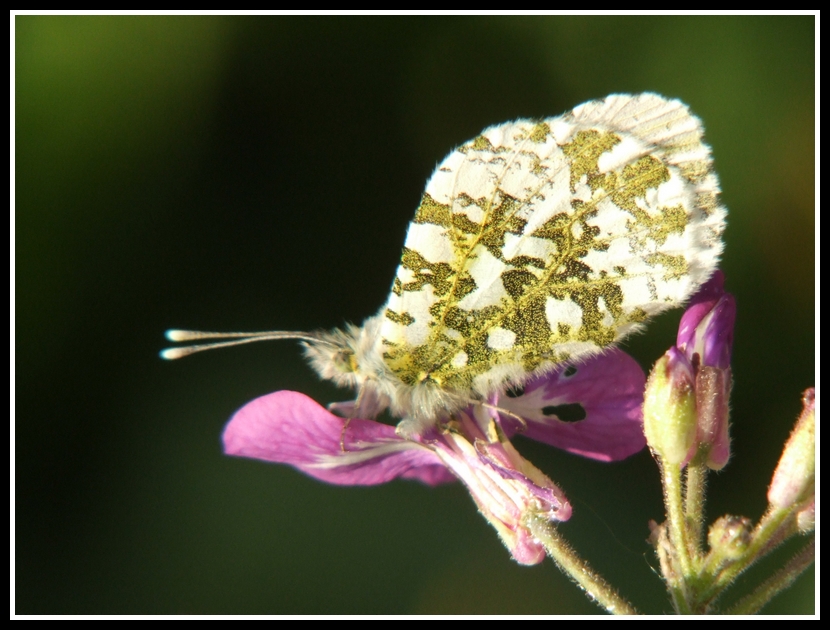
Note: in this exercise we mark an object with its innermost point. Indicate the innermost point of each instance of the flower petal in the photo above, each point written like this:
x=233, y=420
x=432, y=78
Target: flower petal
x=505, y=486
x=702, y=302
x=592, y=408
x=707, y=327
x=290, y=428
x=550, y=500
x=719, y=333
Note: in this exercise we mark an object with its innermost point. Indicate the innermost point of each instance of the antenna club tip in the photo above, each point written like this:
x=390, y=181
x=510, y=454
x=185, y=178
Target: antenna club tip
x=172, y=353
x=176, y=335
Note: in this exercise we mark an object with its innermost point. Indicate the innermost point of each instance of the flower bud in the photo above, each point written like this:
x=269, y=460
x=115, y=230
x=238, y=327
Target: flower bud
x=712, y=387
x=729, y=536
x=669, y=417
x=705, y=338
x=794, y=480
x=707, y=327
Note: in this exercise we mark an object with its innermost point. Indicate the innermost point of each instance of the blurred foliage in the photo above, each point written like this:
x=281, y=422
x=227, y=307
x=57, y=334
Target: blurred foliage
x=258, y=173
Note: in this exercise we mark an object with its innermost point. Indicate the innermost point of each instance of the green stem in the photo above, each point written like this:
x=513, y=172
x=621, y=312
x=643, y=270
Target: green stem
x=680, y=597
x=667, y=567
x=578, y=569
x=678, y=532
x=779, y=582
x=695, y=500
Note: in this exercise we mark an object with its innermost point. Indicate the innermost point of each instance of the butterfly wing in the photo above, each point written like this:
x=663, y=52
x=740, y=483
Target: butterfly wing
x=540, y=241
x=591, y=407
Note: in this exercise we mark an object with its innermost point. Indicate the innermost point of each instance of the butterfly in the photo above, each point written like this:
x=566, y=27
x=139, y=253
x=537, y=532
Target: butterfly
x=536, y=243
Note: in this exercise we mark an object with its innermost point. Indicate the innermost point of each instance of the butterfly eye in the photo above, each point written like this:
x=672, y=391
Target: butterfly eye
x=345, y=361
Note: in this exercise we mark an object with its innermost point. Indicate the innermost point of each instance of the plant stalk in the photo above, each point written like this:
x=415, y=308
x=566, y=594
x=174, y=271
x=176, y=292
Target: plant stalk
x=780, y=581
x=578, y=569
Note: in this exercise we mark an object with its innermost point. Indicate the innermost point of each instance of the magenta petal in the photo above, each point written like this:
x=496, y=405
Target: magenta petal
x=290, y=428
x=718, y=336
x=707, y=326
x=591, y=408
x=550, y=499
x=526, y=549
x=702, y=302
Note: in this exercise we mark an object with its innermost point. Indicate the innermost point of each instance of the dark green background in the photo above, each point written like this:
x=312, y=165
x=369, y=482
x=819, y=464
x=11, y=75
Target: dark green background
x=249, y=173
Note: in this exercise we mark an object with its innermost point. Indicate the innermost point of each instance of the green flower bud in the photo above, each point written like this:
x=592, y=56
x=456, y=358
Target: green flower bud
x=729, y=536
x=669, y=417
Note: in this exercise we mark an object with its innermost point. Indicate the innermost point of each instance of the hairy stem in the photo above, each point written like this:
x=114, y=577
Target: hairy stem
x=695, y=501
x=780, y=581
x=578, y=569
x=678, y=531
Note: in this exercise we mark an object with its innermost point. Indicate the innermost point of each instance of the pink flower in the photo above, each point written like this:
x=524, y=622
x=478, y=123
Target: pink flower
x=591, y=408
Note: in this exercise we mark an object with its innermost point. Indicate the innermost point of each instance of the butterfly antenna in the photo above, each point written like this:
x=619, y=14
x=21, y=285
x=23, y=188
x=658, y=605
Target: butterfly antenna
x=238, y=338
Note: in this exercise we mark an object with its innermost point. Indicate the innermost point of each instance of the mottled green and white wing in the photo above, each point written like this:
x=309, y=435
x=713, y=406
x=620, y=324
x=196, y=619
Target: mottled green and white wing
x=540, y=241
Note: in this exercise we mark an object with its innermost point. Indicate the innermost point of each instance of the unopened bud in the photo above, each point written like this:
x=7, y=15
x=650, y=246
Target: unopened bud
x=707, y=327
x=794, y=480
x=712, y=399
x=669, y=418
x=729, y=536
